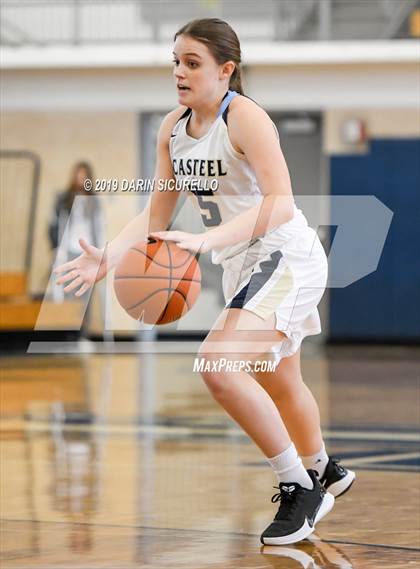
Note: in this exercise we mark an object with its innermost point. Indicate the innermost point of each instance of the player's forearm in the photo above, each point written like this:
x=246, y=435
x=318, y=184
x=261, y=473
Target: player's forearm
x=272, y=212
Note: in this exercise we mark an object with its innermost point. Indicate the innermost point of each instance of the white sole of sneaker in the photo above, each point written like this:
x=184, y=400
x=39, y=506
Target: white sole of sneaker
x=340, y=487
x=306, y=530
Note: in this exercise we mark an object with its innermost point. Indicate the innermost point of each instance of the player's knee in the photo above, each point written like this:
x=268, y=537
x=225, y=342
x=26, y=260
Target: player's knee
x=286, y=387
x=212, y=376
x=212, y=367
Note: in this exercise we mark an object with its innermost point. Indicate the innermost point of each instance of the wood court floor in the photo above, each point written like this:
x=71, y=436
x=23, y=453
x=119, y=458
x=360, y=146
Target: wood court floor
x=123, y=461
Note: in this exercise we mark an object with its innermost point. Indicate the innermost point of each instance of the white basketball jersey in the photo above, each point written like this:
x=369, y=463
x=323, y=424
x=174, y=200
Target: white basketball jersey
x=211, y=162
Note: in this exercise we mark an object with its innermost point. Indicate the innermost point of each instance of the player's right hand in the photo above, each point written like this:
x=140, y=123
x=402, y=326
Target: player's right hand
x=84, y=271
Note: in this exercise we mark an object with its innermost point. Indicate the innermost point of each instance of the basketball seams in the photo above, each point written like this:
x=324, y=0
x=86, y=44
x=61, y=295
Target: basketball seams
x=148, y=308
x=162, y=316
x=156, y=278
x=157, y=263
x=170, y=277
x=170, y=290
x=184, y=297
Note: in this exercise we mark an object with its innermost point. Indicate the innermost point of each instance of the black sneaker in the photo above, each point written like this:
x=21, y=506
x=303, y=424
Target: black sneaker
x=300, y=509
x=337, y=479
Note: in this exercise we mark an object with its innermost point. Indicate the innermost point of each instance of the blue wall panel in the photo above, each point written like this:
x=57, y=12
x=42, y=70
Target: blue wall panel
x=384, y=305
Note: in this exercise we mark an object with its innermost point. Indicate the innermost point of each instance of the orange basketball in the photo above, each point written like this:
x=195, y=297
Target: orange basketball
x=157, y=282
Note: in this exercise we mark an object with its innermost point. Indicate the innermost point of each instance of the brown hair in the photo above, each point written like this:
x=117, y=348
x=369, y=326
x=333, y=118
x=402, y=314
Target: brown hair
x=222, y=42
x=72, y=186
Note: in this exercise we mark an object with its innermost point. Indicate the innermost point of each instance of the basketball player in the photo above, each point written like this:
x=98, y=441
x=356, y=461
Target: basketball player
x=275, y=268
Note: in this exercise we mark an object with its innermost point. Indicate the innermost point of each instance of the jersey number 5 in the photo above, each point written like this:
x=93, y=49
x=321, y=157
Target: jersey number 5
x=211, y=216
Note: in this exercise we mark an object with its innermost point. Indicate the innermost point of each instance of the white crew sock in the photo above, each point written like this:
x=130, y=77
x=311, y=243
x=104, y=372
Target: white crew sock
x=289, y=468
x=317, y=461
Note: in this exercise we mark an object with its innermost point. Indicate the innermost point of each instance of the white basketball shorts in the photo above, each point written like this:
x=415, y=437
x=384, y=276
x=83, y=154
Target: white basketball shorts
x=288, y=282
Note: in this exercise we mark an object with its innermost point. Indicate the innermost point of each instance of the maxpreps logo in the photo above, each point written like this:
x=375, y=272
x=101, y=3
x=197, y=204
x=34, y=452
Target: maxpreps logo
x=223, y=364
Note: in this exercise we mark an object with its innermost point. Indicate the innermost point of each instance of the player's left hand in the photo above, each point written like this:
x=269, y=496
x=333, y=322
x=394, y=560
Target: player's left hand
x=194, y=242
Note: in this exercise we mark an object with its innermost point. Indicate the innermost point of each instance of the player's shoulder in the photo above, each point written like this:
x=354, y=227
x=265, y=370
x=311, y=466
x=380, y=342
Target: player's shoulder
x=169, y=121
x=245, y=116
x=242, y=107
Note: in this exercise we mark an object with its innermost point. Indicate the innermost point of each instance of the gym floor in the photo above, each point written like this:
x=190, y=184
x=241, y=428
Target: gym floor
x=123, y=461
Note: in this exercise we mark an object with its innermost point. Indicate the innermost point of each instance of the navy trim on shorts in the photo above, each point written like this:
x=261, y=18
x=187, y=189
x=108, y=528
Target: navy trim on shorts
x=257, y=281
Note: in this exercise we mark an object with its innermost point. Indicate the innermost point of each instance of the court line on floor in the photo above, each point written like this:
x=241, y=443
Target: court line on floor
x=206, y=531
x=382, y=458
x=41, y=426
